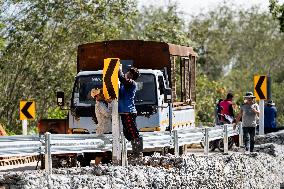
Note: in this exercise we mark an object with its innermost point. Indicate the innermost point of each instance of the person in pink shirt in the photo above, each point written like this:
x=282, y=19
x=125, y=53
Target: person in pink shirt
x=227, y=110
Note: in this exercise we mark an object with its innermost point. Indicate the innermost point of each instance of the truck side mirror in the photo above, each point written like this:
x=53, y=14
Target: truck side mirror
x=60, y=98
x=168, y=95
x=161, y=85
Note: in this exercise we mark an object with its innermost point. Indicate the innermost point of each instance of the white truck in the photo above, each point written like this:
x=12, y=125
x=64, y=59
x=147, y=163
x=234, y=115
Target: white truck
x=161, y=66
x=167, y=80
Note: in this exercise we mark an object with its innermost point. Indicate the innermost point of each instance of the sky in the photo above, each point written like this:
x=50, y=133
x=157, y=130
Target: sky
x=194, y=7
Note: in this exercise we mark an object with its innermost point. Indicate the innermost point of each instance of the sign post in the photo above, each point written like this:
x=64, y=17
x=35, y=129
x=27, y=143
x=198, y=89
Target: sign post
x=261, y=117
x=25, y=126
x=260, y=92
x=110, y=91
x=27, y=112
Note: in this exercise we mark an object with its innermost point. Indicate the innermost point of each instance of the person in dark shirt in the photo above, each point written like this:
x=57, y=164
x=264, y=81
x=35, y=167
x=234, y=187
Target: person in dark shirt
x=270, y=114
x=127, y=110
x=218, y=110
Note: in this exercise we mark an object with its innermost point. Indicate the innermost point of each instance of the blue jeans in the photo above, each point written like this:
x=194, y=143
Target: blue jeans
x=249, y=133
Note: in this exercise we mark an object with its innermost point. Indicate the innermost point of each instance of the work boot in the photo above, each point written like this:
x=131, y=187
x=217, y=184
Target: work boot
x=140, y=144
x=137, y=146
x=253, y=154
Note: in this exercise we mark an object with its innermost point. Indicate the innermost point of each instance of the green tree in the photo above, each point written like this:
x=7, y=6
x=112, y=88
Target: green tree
x=277, y=11
x=41, y=41
x=56, y=113
x=212, y=34
x=208, y=93
x=235, y=45
x=162, y=24
x=41, y=38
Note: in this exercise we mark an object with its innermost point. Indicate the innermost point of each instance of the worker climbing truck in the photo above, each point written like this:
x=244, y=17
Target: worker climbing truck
x=166, y=70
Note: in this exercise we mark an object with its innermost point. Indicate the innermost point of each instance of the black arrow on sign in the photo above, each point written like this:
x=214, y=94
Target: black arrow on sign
x=258, y=87
x=107, y=78
x=25, y=111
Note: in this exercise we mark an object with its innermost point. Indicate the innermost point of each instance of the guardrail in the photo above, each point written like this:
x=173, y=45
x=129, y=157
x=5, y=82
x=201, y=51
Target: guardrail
x=79, y=143
x=20, y=146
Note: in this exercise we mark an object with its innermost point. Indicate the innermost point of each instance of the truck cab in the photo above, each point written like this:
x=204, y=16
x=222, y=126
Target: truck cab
x=148, y=98
x=152, y=109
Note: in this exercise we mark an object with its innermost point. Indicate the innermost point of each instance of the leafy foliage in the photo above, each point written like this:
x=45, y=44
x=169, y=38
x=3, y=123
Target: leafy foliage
x=208, y=93
x=278, y=97
x=235, y=45
x=56, y=113
x=42, y=37
x=41, y=41
x=212, y=34
x=162, y=24
x=277, y=11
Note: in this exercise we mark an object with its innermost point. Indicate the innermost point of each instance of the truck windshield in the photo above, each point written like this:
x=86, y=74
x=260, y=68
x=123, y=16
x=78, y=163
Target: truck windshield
x=146, y=90
x=83, y=86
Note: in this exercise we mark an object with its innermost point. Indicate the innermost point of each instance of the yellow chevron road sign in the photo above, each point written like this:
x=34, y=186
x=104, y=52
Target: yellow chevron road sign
x=260, y=87
x=110, y=78
x=27, y=110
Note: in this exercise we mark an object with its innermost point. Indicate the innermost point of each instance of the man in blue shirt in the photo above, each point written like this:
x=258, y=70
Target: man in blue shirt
x=127, y=110
x=270, y=114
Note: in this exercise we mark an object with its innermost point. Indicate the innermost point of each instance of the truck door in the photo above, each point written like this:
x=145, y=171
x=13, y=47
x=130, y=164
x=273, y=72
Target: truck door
x=163, y=109
x=146, y=102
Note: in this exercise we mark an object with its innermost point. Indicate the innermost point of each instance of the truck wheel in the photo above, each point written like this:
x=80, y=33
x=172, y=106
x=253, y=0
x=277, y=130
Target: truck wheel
x=42, y=162
x=212, y=145
x=81, y=160
x=221, y=144
x=169, y=151
x=73, y=162
x=201, y=144
x=181, y=150
x=172, y=151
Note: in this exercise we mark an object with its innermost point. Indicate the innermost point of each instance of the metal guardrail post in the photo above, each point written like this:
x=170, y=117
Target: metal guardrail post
x=170, y=116
x=261, y=118
x=206, y=141
x=48, y=160
x=176, y=143
x=225, y=139
x=124, y=161
x=241, y=142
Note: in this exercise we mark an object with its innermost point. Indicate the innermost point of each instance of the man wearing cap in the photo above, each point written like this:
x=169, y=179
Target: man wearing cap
x=249, y=113
x=103, y=112
x=270, y=114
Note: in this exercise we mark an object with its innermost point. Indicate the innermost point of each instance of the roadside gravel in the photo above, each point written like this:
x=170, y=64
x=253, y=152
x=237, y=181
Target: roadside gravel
x=236, y=170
